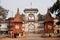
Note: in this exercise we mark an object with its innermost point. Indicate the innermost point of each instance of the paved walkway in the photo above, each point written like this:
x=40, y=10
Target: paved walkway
x=30, y=36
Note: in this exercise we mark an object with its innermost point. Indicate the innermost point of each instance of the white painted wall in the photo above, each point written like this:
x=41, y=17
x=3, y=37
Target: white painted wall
x=3, y=27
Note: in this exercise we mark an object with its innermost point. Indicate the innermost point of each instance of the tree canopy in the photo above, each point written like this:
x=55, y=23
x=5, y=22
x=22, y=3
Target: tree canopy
x=3, y=12
x=56, y=8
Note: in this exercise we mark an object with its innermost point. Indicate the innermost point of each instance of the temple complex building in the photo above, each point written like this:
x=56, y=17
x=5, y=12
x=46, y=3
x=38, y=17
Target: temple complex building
x=31, y=20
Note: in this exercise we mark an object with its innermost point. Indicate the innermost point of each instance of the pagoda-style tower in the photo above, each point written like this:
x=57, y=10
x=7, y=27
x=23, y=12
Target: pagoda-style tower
x=17, y=25
x=49, y=24
x=18, y=22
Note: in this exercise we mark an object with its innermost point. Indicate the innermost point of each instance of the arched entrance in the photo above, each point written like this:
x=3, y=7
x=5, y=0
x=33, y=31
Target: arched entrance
x=31, y=28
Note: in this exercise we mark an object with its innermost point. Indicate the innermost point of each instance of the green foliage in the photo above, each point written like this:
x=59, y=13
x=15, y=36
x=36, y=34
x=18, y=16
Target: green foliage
x=3, y=12
x=56, y=8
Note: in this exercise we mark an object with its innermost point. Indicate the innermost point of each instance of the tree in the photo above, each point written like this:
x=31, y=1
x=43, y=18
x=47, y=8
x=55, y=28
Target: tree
x=3, y=13
x=56, y=8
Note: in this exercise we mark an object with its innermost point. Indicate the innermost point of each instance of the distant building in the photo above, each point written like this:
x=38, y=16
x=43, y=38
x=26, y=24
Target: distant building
x=41, y=23
x=10, y=23
x=3, y=27
x=3, y=23
x=30, y=20
x=23, y=22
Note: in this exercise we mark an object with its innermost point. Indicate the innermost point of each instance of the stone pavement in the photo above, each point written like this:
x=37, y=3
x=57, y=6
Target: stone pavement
x=30, y=36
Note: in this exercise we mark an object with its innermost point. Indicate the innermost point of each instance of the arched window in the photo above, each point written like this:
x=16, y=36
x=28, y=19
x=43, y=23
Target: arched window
x=31, y=17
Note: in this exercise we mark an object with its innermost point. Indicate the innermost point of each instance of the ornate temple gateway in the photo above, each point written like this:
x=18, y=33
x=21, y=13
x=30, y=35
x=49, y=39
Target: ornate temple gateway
x=31, y=19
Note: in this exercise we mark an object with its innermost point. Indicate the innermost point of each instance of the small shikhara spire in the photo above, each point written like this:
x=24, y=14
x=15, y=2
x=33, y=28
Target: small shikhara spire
x=48, y=16
x=18, y=17
x=17, y=9
x=17, y=13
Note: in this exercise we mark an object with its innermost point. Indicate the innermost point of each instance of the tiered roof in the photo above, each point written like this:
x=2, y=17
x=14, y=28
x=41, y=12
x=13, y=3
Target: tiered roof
x=18, y=17
x=48, y=16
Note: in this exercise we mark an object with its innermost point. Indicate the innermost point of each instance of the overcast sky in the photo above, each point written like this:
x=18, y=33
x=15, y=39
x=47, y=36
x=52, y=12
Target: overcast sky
x=12, y=5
